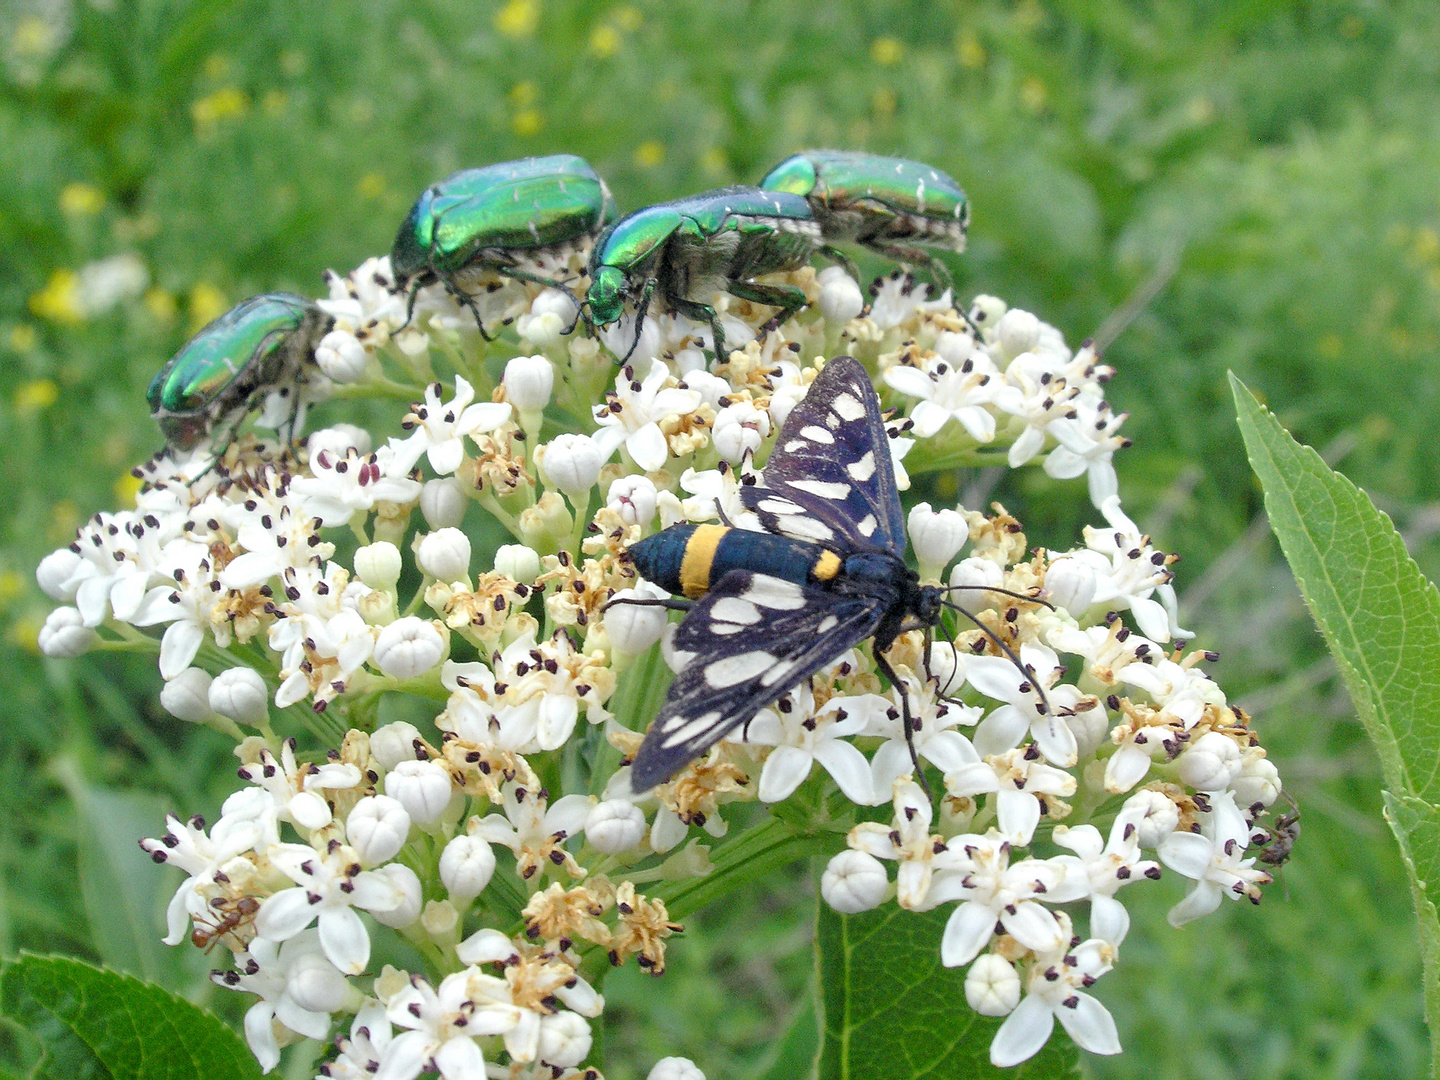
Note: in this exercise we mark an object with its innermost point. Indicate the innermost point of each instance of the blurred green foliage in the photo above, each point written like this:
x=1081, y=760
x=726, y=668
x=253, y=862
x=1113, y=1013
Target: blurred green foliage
x=1268, y=169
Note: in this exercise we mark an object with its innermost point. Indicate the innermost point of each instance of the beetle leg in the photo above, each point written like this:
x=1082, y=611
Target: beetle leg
x=640, y=310
x=704, y=313
x=835, y=255
x=903, y=253
x=788, y=298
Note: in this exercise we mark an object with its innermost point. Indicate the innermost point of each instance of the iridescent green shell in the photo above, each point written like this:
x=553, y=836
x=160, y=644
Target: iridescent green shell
x=479, y=215
x=864, y=197
x=635, y=238
x=253, y=346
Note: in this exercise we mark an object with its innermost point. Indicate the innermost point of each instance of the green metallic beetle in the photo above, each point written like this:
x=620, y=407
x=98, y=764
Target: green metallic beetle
x=258, y=346
x=885, y=204
x=485, y=221
x=681, y=253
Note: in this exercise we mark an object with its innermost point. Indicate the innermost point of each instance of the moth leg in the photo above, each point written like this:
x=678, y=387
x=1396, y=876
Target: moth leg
x=909, y=720
x=672, y=603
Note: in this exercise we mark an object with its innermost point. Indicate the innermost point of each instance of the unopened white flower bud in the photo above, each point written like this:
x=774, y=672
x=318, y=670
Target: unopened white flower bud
x=955, y=349
x=947, y=667
x=340, y=439
x=518, y=563
x=1210, y=763
x=986, y=312
x=782, y=401
x=675, y=1068
x=854, y=881
x=633, y=628
x=187, y=696
x=1019, y=332
x=65, y=634
x=421, y=787
x=412, y=897
x=466, y=866
x=54, y=571
x=571, y=463
x=529, y=381
x=551, y=308
x=241, y=694
x=394, y=743
x=633, y=498
x=443, y=503
x=1259, y=780
x=1090, y=727
x=840, y=296
x=564, y=1039
x=341, y=356
x=1070, y=585
x=615, y=825
x=738, y=430
x=690, y=360
x=977, y=575
x=936, y=536
x=316, y=984
x=992, y=987
x=546, y=522
x=377, y=828
x=409, y=647
x=439, y=919
x=378, y=565
x=445, y=555
x=711, y=388
x=1161, y=817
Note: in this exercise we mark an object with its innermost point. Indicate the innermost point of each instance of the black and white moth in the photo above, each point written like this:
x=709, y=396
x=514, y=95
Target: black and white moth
x=769, y=609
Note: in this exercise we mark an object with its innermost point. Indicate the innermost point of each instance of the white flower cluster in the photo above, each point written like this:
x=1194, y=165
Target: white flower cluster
x=502, y=840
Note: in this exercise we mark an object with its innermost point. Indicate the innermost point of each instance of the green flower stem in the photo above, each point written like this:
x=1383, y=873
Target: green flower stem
x=761, y=851
x=493, y=507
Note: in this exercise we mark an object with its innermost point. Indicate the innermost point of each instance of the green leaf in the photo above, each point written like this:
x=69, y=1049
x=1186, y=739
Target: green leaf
x=124, y=892
x=98, y=1025
x=891, y=1010
x=792, y=1055
x=1381, y=620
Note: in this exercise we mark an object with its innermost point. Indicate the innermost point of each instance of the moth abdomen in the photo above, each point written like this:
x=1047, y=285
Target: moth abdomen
x=689, y=559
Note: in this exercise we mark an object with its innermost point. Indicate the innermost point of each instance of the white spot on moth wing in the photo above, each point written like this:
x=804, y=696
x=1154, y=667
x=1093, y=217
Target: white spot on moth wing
x=725, y=628
x=807, y=528
x=732, y=609
x=815, y=433
x=774, y=593
x=794, y=445
x=866, y=525
x=778, y=505
x=689, y=729
x=733, y=670
x=847, y=407
x=778, y=672
x=862, y=469
x=826, y=625
x=826, y=489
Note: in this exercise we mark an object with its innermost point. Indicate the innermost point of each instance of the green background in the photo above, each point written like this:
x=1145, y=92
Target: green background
x=1269, y=171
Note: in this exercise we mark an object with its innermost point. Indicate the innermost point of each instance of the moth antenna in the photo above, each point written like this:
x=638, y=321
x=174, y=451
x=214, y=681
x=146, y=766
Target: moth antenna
x=1003, y=592
x=1010, y=653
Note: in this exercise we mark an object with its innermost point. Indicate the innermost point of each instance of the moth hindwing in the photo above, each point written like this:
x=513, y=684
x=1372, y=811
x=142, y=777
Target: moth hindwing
x=775, y=607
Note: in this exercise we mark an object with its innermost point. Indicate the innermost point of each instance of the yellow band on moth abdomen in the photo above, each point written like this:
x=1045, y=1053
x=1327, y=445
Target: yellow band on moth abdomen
x=826, y=567
x=699, y=554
